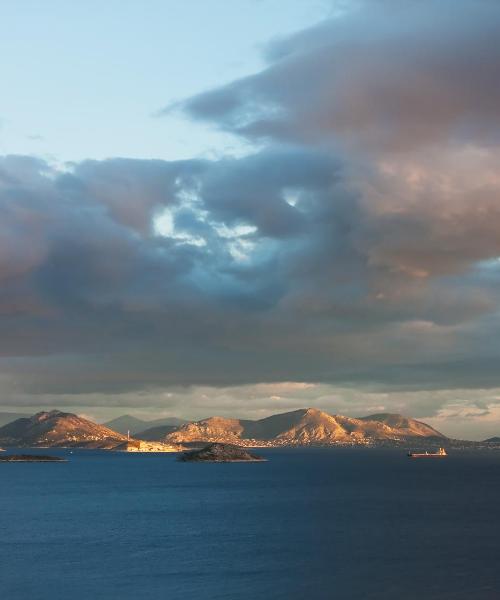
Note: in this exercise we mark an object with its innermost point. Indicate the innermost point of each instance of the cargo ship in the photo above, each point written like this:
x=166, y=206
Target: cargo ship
x=441, y=452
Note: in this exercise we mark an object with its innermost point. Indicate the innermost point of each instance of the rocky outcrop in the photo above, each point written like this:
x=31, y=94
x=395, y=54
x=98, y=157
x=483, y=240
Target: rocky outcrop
x=220, y=453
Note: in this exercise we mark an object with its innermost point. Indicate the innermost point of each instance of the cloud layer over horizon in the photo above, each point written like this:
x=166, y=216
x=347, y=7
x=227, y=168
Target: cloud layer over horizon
x=357, y=246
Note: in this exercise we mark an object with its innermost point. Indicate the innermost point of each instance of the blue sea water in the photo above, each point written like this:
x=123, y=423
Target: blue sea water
x=315, y=524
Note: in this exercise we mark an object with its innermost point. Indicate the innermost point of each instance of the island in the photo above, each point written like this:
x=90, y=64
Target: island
x=31, y=458
x=218, y=452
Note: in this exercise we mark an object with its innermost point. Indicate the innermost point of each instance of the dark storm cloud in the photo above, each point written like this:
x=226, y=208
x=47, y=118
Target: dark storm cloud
x=323, y=257
x=389, y=75
x=254, y=190
x=132, y=190
x=105, y=305
x=419, y=78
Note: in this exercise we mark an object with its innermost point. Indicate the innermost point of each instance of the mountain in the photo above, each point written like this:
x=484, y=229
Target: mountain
x=125, y=423
x=493, y=440
x=155, y=434
x=408, y=427
x=214, y=429
x=303, y=427
x=300, y=427
x=8, y=417
x=56, y=428
x=134, y=425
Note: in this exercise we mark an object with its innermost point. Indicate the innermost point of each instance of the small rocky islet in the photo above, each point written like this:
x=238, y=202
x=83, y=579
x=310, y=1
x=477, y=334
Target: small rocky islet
x=218, y=452
x=30, y=458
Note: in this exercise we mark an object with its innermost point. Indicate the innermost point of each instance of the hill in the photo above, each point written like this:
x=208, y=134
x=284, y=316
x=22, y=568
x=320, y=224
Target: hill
x=493, y=440
x=134, y=425
x=220, y=453
x=408, y=427
x=8, y=417
x=308, y=426
x=213, y=429
x=304, y=427
x=56, y=428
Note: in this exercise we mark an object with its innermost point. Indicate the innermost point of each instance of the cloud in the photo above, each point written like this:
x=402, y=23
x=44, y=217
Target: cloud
x=385, y=76
x=356, y=247
x=96, y=292
x=461, y=413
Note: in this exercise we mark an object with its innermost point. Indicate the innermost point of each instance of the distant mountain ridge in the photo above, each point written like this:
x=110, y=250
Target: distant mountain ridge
x=305, y=427
x=411, y=427
x=56, y=428
x=156, y=433
x=8, y=417
x=134, y=425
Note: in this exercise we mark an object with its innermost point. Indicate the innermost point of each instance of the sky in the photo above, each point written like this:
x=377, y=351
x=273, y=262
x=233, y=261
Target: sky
x=242, y=208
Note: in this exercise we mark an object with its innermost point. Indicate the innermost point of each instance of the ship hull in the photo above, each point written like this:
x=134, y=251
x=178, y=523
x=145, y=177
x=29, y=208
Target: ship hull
x=427, y=456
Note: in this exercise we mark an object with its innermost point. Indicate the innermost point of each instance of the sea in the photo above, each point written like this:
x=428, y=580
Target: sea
x=318, y=524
